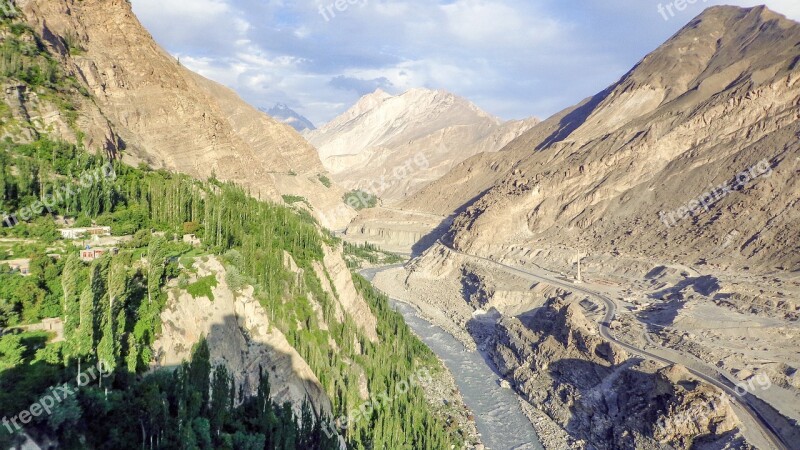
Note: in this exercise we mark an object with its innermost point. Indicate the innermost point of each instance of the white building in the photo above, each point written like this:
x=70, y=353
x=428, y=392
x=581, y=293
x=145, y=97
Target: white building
x=78, y=233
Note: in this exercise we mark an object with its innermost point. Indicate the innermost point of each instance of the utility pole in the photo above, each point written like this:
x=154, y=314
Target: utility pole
x=579, y=278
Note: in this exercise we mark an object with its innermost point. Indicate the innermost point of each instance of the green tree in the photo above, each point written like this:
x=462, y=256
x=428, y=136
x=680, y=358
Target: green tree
x=155, y=266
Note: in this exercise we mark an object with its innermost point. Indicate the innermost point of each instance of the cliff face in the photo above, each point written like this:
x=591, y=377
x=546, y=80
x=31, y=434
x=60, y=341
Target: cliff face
x=391, y=146
x=241, y=336
x=169, y=117
x=605, y=400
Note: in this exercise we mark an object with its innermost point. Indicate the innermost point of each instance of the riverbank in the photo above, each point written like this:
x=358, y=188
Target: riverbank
x=499, y=417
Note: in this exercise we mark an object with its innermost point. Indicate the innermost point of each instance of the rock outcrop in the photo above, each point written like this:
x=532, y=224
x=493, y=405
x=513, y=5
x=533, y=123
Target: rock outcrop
x=240, y=336
x=603, y=398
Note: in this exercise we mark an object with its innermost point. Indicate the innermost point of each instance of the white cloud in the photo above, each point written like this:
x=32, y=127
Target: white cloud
x=514, y=58
x=494, y=23
x=206, y=23
x=789, y=8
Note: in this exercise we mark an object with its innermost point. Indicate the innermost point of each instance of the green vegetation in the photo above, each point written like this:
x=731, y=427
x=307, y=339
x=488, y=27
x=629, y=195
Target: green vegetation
x=202, y=287
x=358, y=199
x=292, y=199
x=196, y=406
x=324, y=180
x=30, y=299
x=253, y=238
x=358, y=255
x=111, y=308
x=72, y=41
x=25, y=62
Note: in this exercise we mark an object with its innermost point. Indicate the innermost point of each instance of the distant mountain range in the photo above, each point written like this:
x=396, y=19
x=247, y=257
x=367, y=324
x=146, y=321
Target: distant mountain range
x=282, y=113
x=392, y=146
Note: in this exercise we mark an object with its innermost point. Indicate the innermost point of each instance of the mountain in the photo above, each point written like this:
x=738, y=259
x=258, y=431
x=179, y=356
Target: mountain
x=167, y=116
x=716, y=105
x=391, y=146
x=690, y=116
x=251, y=331
x=677, y=189
x=284, y=114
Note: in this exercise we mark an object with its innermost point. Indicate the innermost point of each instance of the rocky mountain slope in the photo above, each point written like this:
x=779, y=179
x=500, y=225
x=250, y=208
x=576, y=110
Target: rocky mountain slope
x=595, y=392
x=715, y=105
x=240, y=336
x=167, y=116
x=583, y=391
x=678, y=188
x=707, y=123
x=391, y=146
x=282, y=113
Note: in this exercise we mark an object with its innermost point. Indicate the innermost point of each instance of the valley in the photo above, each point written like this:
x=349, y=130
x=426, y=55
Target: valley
x=411, y=273
x=500, y=421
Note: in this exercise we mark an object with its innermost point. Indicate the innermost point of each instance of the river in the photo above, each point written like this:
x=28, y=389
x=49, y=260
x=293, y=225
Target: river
x=498, y=414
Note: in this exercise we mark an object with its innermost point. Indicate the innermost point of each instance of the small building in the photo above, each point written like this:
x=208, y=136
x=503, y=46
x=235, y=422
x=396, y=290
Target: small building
x=23, y=266
x=191, y=239
x=90, y=254
x=78, y=233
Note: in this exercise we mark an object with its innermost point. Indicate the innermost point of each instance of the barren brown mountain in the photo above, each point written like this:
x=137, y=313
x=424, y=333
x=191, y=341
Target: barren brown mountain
x=169, y=117
x=677, y=189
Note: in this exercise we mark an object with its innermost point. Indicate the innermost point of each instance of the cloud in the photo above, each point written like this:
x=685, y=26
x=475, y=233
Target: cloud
x=360, y=86
x=199, y=26
x=514, y=58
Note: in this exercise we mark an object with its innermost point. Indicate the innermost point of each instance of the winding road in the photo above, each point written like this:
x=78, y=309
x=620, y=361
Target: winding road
x=726, y=385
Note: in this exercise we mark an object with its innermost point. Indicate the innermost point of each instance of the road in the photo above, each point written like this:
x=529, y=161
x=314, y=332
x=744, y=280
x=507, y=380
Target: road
x=415, y=213
x=726, y=385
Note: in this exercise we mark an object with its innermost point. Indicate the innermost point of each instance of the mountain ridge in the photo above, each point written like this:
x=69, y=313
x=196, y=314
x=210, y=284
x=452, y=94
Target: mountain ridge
x=382, y=132
x=282, y=113
x=170, y=117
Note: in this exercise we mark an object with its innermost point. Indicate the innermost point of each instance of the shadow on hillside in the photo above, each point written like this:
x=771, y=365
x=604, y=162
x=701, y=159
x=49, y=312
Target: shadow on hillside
x=638, y=403
x=704, y=285
x=442, y=231
x=427, y=241
x=101, y=415
x=575, y=119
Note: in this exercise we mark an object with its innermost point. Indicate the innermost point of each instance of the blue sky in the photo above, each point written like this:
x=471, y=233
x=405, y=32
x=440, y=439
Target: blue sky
x=512, y=58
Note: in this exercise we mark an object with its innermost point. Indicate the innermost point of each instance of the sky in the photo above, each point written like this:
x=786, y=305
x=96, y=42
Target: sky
x=512, y=58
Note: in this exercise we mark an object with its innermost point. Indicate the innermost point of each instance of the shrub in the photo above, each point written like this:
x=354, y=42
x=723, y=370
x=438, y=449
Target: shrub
x=203, y=287
x=358, y=199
